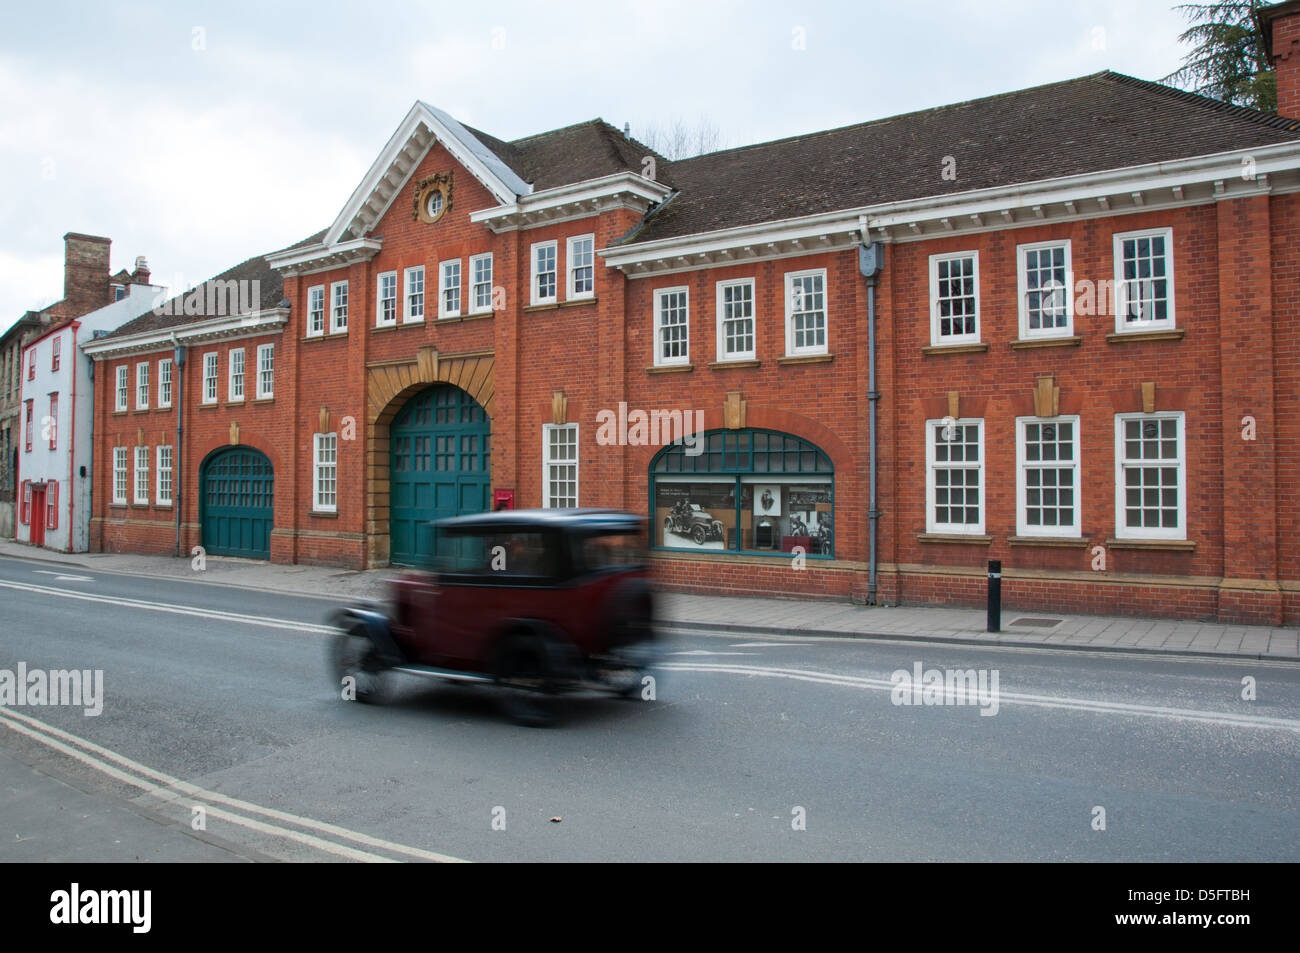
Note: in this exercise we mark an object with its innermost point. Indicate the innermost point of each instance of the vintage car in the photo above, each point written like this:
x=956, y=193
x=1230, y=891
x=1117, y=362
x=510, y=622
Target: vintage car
x=692, y=520
x=535, y=602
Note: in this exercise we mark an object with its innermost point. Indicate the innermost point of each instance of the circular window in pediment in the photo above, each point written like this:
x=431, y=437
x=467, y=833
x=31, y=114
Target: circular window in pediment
x=433, y=197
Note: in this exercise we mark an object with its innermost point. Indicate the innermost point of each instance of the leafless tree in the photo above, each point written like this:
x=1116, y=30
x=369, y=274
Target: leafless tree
x=680, y=139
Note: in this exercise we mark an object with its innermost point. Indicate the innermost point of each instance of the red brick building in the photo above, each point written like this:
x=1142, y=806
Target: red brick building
x=1081, y=296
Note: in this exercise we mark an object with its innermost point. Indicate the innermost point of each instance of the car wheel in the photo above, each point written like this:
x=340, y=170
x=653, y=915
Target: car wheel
x=699, y=534
x=524, y=682
x=668, y=524
x=354, y=656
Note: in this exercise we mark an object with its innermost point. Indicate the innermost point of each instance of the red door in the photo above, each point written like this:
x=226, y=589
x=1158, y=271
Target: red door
x=38, y=516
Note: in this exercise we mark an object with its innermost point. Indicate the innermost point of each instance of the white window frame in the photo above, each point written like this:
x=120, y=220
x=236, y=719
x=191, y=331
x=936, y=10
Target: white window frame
x=931, y=464
x=570, y=291
x=824, y=347
x=339, y=322
x=320, y=467
x=534, y=274
x=936, y=340
x=1023, y=527
x=211, y=367
x=444, y=286
x=1022, y=287
x=141, y=495
x=265, y=369
x=723, y=355
x=163, y=493
x=659, y=359
x=120, y=463
x=474, y=306
x=235, y=394
x=408, y=313
x=316, y=316
x=1127, y=532
x=165, y=382
x=123, y=388
x=142, y=385
x=1121, y=289
x=380, y=298
x=548, y=462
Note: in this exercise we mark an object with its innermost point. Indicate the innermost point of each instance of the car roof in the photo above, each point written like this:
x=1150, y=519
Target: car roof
x=587, y=519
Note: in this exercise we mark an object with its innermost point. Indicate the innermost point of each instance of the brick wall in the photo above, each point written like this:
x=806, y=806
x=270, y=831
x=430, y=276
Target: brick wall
x=1235, y=275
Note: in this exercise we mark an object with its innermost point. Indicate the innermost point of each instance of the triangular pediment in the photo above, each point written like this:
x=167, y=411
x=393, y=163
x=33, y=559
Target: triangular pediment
x=423, y=127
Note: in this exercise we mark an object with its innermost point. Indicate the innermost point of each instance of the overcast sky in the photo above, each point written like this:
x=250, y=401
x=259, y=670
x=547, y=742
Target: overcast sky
x=201, y=134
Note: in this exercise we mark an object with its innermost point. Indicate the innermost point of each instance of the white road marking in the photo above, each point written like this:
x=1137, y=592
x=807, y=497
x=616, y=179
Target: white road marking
x=174, y=609
x=170, y=789
x=703, y=652
x=64, y=577
x=1229, y=719
x=757, y=645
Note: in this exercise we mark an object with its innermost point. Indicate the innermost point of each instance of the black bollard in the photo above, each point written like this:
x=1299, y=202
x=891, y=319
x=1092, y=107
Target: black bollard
x=995, y=595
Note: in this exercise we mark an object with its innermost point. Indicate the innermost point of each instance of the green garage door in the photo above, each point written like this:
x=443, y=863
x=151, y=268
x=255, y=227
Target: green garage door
x=237, y=498
x=441, y=460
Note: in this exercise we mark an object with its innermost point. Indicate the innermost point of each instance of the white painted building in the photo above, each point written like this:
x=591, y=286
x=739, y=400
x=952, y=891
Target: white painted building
x=56, y=412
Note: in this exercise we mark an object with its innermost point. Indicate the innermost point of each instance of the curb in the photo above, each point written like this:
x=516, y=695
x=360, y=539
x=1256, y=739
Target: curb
x=228, y=584
x=958, y=640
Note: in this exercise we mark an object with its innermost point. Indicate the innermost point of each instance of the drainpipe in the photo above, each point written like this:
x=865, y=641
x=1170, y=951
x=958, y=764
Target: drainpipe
x=871, y=259
x=178, y=372
x=74, y=357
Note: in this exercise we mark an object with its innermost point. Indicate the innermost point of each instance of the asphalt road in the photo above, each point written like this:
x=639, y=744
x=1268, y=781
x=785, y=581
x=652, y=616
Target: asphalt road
x=227, y=691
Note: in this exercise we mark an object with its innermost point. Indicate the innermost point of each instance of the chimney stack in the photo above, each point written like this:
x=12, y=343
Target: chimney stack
x=1280, y=26
x=85, y=274
x=141, y=274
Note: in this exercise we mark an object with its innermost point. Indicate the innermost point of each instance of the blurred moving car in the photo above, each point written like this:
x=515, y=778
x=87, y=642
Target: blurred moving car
x=537, y=602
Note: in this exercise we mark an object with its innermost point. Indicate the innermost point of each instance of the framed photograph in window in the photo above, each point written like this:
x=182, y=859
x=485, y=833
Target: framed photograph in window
x=767, y=499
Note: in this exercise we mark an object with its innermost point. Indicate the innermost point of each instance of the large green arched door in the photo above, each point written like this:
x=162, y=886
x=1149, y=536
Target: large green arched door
x=237, y=499
x=440, y=467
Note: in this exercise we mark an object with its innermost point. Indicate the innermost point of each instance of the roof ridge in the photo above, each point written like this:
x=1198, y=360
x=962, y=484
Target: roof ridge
x=1244, y=112
x=1267, y=119
x=551, y=132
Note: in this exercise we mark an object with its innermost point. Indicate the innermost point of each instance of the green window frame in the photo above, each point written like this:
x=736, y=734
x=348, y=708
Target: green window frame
x=739, y=467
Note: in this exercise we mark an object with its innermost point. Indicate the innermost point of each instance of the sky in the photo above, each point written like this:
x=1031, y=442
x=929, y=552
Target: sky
x=201, y=134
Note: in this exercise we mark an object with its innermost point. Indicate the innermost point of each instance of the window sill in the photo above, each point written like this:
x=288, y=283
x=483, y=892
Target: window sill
x=1168, y=334
x=332, y=336
x=118, y=413
x=1058, y=542
x=958, y=538
x=413, y=323
x=671, y=368
x=384, y=327
x=723, y=365
x=235, y=403
x=1026, y=344
x=954, y=349
x=140, y=410
x=458, y=318
x=210, y=405
x=806, y=359
x=543, y=306
x=263, y=400
x=578, y=302
x=1174, y=545
x=324, y=514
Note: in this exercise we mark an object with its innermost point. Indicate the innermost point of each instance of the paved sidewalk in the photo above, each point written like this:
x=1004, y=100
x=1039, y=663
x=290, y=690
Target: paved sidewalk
x=769, y=617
